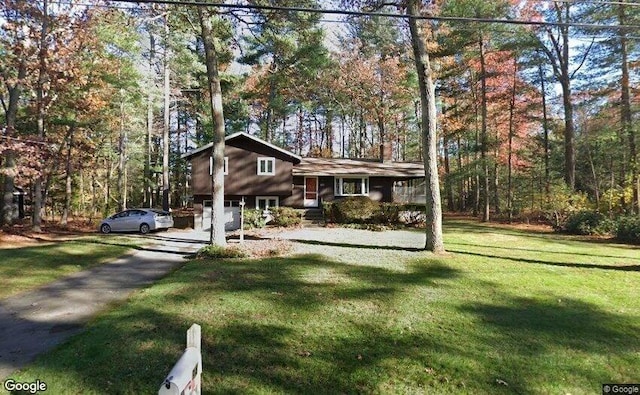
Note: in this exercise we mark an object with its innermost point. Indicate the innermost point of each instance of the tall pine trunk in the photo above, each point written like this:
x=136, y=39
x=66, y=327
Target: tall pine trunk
x=434, y=240
x=217, y=235
x=68, y=181
x=9, y=159
x=484, y=138
x=165, y=129
x=36, y=219
x=625, y=113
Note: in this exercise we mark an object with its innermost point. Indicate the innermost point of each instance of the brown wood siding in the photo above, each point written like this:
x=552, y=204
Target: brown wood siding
x=243, y=179
x=296, y=200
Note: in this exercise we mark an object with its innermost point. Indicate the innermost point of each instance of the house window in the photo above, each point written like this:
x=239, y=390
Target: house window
x=266, y=166
x=225, y=165
x=267, y=202
x=352, y=186
x=232, y=203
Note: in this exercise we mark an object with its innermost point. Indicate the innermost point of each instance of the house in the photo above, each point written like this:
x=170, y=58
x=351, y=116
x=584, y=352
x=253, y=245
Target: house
x=264, y=175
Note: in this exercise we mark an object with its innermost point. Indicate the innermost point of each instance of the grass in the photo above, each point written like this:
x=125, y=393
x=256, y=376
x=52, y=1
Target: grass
x=23, y=269
x=507, y=311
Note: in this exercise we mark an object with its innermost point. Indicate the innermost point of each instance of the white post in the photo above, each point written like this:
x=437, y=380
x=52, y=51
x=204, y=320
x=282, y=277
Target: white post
x=186, y=375
x=242, y=220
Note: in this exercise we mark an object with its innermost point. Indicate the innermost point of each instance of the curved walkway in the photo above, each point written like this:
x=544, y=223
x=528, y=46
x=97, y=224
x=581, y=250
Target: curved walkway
x=36, y=321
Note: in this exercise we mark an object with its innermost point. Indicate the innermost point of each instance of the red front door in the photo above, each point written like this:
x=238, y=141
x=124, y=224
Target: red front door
x=311, y=192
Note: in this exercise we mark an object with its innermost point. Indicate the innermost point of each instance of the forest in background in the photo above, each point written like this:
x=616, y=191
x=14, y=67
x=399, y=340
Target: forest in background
x=101, y=99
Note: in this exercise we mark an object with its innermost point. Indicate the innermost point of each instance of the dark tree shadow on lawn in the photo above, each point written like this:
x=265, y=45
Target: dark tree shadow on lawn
x=270, y=326
x=539, y=251
x=626, y=268
x=530, y=332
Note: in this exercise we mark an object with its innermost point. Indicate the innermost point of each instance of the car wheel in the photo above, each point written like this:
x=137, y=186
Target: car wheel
x=144, y=229
x=104, y=228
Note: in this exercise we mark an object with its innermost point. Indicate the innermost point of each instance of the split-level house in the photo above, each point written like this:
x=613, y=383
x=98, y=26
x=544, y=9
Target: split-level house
x=264, y=176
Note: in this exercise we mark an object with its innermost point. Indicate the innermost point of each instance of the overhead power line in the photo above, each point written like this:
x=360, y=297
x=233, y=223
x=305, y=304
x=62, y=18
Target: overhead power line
x=598, y=2
x=378, y=14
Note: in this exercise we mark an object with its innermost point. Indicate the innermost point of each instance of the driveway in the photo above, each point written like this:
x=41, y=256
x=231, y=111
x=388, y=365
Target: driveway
x=346, y=245
x=36, y=321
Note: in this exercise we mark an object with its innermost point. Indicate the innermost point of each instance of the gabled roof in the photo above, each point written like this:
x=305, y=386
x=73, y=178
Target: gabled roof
x=357, y=167
x=243, y=135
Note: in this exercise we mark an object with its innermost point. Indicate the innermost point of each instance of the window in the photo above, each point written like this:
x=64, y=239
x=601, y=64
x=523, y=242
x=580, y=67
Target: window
x=225, y=165
x=352, y=186
x=266, y=166
x=266, y=202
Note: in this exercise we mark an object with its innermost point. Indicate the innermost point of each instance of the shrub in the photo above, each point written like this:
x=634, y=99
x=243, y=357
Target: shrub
x=587, y=222
x=285, y=216
x=253, y=219
x=329, y=212
x=628, y=229
x=562, y=203
x=388, y=214
x=214, y=251
x=355, y=209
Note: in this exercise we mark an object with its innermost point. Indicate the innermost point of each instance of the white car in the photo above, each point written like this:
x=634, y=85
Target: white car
x=140, y=220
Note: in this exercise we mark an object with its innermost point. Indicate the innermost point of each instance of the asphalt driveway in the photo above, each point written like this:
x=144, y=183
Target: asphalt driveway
x=36, y=321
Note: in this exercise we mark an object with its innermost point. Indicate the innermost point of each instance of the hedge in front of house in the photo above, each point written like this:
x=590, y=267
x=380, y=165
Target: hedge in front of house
x=254, y=219
x=363, y=210
x=285, y=216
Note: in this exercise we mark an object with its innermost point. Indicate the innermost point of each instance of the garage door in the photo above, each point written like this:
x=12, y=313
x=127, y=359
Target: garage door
x=231, y=218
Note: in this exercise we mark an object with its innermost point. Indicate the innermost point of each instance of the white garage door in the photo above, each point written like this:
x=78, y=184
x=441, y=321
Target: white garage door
x=231, y=218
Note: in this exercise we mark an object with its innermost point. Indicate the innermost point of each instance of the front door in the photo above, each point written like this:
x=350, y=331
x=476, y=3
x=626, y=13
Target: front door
x=311, y=192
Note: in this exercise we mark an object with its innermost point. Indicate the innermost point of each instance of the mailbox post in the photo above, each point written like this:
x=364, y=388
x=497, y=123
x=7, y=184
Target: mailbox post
x=186, y=375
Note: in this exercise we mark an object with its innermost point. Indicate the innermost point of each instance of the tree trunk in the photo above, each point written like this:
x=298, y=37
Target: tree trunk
x=148, y=176
x=627, y=125
x=165, y=130
x=545, y=127
x=484, y=144
x=434, y=240
x=447, y=173
x=68, y=190
x=36, y=219
x=512, y=109
x=217, y=235
x=122, y=185
x=9, y=163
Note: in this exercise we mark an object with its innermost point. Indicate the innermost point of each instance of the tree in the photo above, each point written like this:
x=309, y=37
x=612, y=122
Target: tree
x=434, y=240
x=555, y=44
x=217, y=235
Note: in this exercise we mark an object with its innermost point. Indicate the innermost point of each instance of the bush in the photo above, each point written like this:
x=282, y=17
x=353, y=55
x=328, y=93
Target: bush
x=355, y=209
x=587, y=222
x=562, y=203
x=253, y=219
x=329, y=212
x=214, y=251
x=388, y=214
x=285, y=216
x=628, y=229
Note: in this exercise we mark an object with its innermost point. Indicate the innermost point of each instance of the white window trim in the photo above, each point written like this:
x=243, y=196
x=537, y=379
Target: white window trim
x=276, y=198
x=273, y=166
x=339, y=188
x=225, y=165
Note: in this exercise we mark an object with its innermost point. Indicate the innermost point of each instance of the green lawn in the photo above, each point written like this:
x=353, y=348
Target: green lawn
x=506, y=312
x=26, y=268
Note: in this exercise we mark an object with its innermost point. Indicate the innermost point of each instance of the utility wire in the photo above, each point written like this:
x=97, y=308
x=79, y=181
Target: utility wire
x=379, y=14
x=343, y=21
x=598, y=2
